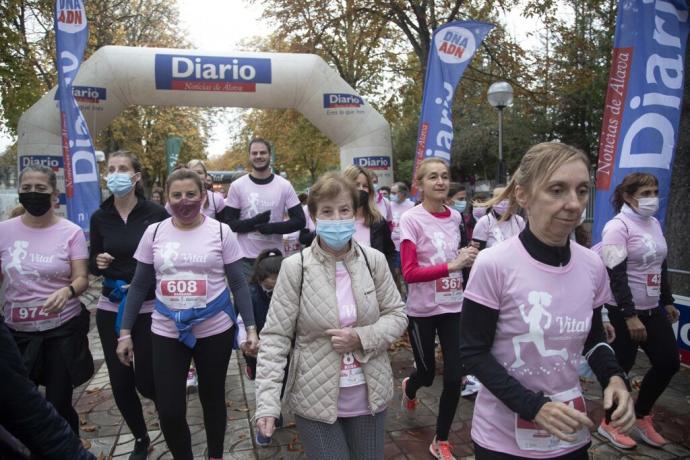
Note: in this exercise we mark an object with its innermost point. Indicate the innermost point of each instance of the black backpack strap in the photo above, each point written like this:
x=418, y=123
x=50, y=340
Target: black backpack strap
x=155, y=231
x=220, y=224
x=366, y=260
x=299, y=303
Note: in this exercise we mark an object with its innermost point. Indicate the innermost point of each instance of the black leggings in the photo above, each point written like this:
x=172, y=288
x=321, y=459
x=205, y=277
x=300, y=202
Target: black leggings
x=211, y=356
x=126, y=380
x=481, y=453
x=422, y=331
x=58, y=383
x=661, y=349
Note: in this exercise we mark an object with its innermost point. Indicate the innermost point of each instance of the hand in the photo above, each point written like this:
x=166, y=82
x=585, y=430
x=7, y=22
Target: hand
x=57, y=300
x=464, y=259
x=252, y=343
x=637, y=330
x=562, y=420
x=610, y=332
x=344, y=340
x=262, y=218
x=266, y=425
x=673, y=313
x=125, y=349
x=623, y=417
x=264, y=229
x=103, y=260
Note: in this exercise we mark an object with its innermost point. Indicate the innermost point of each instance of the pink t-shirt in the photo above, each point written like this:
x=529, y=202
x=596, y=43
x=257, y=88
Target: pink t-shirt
x=646, y=246
x=397, y=210
x=310, y=223
x=252, y=199
x=291, y=244
x=494, y=231
x=105, y=304
x=437, y=240
x=540, y=334
x=362, y=233
x=384, y=206
x=353, y=397
x=193, y=262
x=36, y=262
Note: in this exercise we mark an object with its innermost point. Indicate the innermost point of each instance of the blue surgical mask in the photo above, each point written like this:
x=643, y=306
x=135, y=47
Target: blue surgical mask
x=120, y=184
x=459, y=206
x=335, y=233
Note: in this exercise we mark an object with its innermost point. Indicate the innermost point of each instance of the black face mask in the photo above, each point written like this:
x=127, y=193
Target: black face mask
x=363, y=198
x=36, y=203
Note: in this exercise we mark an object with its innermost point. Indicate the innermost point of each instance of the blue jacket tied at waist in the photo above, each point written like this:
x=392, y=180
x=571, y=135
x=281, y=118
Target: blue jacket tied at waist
x=185, y=319
x=117, y=294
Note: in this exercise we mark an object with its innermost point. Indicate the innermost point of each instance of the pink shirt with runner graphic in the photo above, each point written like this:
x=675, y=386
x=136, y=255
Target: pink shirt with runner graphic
x=353, y=397
x=646, y=246
x=251, y=199
x=36, y=262
x=183, y=257
x=397, y=210
x=437, y=240
x=494, y=231
x=540, y=334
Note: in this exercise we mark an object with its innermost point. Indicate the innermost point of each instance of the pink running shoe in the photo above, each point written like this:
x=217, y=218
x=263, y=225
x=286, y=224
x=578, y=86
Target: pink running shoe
x=614, y=435
x=409, y=406
x=645, y=429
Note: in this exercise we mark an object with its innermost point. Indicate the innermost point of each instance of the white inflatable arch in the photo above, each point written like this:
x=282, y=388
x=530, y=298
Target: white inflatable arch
x=116, y=77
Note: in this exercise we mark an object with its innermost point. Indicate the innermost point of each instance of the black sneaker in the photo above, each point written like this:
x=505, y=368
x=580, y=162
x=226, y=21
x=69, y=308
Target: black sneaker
x=141, y=449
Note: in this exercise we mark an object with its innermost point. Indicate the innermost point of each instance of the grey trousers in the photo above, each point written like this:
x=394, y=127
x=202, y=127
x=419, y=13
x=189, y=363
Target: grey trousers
x=349, y=438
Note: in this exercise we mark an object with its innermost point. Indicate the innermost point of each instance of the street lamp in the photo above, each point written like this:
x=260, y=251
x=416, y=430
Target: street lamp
x=500, y=96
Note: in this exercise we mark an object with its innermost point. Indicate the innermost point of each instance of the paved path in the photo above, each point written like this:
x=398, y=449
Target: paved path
x=103, y=427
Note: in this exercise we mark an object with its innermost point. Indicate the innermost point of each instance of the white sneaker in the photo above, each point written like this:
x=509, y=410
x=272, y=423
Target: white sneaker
x=471, y=385
x=192, y=380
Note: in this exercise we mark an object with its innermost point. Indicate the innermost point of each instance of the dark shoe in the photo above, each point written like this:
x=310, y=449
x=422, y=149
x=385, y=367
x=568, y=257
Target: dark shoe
x=142, y=447
x=279, y=422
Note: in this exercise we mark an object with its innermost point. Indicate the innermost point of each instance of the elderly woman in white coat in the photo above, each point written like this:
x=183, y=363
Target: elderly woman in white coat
x=335, y=307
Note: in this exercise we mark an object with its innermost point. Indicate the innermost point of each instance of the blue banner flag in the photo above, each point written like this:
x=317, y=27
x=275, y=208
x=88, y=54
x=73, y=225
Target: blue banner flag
x=641, y=118
x=452, y=48
x=81, y=172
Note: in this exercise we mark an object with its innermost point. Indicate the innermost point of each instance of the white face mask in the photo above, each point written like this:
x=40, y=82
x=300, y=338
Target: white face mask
x=647, y=206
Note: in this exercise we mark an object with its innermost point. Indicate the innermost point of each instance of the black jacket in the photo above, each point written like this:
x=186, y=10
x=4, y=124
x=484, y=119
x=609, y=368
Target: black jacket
x=26, y=414
x=260, y=302
x=109, y=233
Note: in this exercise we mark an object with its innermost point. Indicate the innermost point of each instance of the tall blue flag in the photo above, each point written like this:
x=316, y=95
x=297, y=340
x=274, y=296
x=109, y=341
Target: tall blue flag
x=81, y=173
x=452, y=48
x=641, y=119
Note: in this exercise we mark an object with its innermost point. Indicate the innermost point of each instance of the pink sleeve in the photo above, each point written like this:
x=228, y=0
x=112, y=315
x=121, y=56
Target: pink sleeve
x=485, y=283
x=603, y=292
x=220, y=202
x=144, y=252
x=615, y=233
x=481, y=230
x=233, y=199
x=77, y=246
x=521, y=222
x=290, y=196
x=407, y=229
x=231, y=248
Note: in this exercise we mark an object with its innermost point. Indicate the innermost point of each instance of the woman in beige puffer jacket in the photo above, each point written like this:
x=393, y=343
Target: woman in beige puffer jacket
x=338, y=406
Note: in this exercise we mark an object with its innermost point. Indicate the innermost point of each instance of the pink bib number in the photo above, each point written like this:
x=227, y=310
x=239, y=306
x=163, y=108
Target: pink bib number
x=653, y=284
x=530, y=437
x=183, y=291
x=449, y=289
x=31, y=317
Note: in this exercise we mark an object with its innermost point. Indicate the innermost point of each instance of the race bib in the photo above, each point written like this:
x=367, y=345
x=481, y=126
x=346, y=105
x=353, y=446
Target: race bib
x=449, y=289
x=290, y=247
x=258, y=236
x=653, y=284
x=530, y=437
x=351, y=374
x=183, y=291
x=31, y=317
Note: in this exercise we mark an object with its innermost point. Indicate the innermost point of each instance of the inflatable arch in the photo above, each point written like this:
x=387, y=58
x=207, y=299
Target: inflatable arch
x=115, y=77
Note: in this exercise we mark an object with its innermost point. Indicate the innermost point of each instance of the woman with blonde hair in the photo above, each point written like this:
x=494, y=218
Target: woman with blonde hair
x=215, y=203
x=432, y=264
x=371, y=226
x=524, y=327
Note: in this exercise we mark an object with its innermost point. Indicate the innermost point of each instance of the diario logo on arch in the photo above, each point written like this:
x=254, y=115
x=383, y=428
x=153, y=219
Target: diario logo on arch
x=211, y=73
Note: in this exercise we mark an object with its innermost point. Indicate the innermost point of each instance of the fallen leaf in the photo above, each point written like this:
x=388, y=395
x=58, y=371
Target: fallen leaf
x=86, y=444
x=89, y=428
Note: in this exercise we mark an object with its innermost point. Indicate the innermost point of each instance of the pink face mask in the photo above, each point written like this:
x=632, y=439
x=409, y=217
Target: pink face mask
x=478, y=212
x=501, y=207
x=185, y=210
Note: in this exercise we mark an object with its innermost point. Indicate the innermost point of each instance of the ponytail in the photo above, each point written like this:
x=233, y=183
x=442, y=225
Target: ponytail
x=267, y=264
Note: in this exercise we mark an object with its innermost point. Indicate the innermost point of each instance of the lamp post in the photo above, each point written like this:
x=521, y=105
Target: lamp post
x=500, y=96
